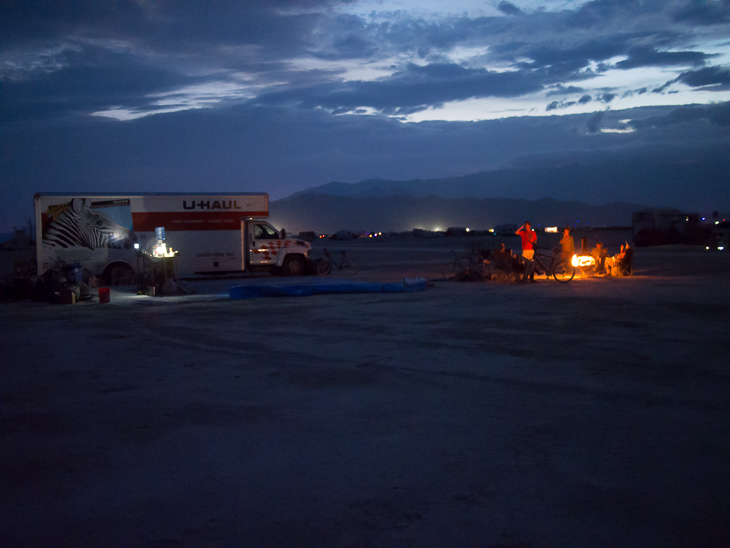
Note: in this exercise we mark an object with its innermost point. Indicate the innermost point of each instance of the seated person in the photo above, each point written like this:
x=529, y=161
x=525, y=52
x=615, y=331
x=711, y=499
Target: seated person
x=503, y=258
x=618, y=260
x=487, y=266
x=599, y=253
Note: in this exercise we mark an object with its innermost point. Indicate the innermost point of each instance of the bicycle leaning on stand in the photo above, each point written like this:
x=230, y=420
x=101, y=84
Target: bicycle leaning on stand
x=345, y=264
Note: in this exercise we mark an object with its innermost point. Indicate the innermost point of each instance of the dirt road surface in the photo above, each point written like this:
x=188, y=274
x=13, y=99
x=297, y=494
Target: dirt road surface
x=594, y=413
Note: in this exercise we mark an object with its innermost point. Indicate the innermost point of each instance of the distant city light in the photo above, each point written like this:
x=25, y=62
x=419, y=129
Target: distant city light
x=551, y=229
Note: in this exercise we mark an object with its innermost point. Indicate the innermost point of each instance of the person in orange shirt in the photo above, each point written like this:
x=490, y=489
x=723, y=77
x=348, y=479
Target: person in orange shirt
x=529, y=238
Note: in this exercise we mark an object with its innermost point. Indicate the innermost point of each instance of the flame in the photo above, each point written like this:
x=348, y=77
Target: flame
x=583, y=261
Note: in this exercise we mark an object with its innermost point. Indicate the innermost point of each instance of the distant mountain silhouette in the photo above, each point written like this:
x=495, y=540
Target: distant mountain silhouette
x=328, y=214
x=547, y=191
x=615, y=177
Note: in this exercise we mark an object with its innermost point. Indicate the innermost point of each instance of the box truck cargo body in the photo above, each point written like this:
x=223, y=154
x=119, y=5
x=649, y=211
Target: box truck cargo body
x=214, y=234
x=666, y=226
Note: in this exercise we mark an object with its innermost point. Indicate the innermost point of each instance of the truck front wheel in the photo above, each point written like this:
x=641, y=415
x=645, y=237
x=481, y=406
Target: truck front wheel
x=293, y=266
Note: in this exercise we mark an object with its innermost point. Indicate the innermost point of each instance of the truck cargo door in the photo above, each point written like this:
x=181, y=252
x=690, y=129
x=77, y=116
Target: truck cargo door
x=244, y=245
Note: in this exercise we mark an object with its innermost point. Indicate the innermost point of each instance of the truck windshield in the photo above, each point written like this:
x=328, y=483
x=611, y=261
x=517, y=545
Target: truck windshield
x=264, y=232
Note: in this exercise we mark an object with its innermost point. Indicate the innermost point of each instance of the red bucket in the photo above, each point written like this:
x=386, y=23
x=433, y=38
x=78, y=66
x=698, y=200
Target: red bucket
x=104, y=295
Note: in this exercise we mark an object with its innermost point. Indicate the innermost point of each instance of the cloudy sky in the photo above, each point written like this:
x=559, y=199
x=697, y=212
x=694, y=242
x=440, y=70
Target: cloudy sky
x=280, y=96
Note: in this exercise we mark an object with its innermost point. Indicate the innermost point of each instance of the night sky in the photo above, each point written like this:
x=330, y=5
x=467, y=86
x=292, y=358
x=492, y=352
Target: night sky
x=281, y=96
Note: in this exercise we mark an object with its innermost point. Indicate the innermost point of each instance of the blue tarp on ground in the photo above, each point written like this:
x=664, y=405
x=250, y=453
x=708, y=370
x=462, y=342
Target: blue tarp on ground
x=253, y=291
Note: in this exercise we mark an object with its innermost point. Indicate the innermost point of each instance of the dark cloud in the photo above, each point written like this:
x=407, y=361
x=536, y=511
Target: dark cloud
x=411, y=89
x=46, y=19
x=187, y=28
x=709, y=76
x=602, y=98
x=704, y=12
x=594, y=121
x=198, y=40
x=508, y=9
x=566, y=62
x=91, y=79
x=556, y=105
x=644, y=56
x=718, y=115
x=599, y=13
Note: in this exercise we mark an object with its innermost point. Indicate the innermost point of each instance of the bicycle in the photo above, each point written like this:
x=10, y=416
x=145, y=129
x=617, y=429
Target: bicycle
x=458, y=264
x=467, y=265
x=347, y=265
x=558, y=268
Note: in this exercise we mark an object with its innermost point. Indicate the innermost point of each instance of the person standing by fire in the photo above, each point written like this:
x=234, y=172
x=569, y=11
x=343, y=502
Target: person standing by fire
x=529, y=238
x=567, y=245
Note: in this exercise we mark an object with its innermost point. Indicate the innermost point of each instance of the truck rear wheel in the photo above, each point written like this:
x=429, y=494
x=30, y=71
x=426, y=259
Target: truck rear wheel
x=118, y=274
x=293, y=266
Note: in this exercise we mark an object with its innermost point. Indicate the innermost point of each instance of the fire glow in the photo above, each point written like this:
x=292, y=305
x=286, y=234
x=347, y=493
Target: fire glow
x=583, y=261
x=161, y=250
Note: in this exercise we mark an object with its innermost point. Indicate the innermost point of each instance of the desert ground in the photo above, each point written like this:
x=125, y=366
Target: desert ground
x=594, y=413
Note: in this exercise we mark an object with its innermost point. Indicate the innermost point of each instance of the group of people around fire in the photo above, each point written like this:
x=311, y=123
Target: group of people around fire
x=605, y=264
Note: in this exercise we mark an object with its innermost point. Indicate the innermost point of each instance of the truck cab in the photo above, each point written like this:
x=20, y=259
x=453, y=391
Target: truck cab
x=268, y=248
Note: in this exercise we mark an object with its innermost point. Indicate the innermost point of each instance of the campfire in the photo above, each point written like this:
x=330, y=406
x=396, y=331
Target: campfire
x=583, y=261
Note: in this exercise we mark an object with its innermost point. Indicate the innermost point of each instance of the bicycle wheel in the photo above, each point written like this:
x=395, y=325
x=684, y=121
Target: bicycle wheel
x=350, y=266
x=324, y=267
x=454, y=268
x=563, y=273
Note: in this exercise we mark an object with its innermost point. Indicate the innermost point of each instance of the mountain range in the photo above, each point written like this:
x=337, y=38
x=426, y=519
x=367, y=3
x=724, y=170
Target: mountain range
x=382, y=205
x=599, y=190
x=327, y=214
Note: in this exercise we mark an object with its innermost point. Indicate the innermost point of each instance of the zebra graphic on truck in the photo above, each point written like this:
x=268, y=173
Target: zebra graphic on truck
x=81, y=223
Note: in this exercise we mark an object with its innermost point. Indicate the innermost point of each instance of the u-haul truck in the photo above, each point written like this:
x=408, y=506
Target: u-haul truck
x=211, y=233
